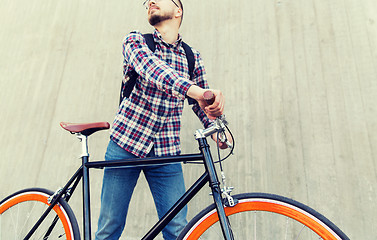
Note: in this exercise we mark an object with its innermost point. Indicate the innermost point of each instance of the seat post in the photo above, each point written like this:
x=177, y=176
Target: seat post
x=85, y=182
x=84, y=144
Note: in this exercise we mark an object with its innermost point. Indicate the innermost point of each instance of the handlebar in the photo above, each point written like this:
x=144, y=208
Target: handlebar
x=209, y=97
x=218, y=126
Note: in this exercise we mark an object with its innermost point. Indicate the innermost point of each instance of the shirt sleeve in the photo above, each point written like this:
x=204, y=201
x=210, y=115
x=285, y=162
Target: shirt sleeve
x=199, y=79
x=139, y=57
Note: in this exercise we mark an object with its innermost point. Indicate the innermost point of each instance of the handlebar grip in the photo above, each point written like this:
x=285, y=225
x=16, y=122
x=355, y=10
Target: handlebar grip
x=209, y=97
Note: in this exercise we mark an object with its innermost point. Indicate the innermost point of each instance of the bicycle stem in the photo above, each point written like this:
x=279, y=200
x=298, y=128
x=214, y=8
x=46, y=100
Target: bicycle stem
x=218, y=125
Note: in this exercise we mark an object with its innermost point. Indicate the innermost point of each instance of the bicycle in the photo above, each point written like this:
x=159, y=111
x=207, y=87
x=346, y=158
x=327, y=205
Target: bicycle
x=37, y=213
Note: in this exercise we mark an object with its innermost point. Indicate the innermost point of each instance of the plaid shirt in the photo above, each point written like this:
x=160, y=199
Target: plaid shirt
x=151, y=115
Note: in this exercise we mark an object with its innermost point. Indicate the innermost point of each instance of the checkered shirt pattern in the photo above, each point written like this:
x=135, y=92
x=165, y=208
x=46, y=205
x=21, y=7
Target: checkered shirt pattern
x=150, y=116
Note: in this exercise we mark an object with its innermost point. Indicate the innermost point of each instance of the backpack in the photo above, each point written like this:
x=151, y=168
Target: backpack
x=128, y=86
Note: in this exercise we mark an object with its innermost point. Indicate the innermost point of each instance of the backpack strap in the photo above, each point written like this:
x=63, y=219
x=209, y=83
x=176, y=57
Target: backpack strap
x=150, y=41
x=191, y=65
x=127, y=87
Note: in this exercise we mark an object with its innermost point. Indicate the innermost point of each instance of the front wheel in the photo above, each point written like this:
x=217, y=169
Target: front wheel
x=21, y=210
x=263, y=216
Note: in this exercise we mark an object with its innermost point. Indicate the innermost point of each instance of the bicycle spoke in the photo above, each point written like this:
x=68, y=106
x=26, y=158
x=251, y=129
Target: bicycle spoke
x=286, y=229
x=30, y=213
x=21, y=218
x=298, y=236
x=255, y=225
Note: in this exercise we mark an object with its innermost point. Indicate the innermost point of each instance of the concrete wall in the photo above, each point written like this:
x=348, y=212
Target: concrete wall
x=299, y=77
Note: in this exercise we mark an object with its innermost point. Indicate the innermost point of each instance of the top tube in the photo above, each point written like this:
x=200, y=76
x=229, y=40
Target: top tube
x=137, y=162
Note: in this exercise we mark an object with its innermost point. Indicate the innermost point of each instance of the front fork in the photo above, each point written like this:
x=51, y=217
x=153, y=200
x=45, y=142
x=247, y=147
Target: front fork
x=215, y=187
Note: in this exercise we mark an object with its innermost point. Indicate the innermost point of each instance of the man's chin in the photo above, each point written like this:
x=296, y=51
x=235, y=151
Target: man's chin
x=154, y=19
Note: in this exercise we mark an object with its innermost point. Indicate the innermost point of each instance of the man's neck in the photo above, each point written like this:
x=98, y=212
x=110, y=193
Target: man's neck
x=168, y=33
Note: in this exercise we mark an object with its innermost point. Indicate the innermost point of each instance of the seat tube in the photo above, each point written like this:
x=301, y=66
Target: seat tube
x=215, y=187
x=85, y=187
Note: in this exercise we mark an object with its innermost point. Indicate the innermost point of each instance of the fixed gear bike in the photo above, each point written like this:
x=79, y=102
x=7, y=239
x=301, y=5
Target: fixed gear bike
x=37, y=213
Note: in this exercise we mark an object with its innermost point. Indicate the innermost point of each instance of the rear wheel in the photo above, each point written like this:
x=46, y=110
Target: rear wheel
x=21, y=210
x=264, y=216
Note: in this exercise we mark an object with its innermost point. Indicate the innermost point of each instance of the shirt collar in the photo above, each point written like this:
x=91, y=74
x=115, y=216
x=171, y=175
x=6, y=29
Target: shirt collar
x=158, y=38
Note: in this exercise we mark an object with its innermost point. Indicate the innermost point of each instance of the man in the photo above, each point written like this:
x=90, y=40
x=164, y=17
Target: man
x=148, y=121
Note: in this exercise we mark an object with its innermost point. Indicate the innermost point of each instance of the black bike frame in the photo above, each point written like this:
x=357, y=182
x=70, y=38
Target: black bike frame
x=209, y=176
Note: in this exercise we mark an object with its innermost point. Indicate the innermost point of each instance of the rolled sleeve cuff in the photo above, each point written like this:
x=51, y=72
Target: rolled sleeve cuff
x=181, y=87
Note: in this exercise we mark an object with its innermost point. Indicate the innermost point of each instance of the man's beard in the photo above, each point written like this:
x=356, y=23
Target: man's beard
x=156, y=18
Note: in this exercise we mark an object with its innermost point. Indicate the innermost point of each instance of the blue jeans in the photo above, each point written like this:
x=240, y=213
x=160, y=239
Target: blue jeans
x=165, y=182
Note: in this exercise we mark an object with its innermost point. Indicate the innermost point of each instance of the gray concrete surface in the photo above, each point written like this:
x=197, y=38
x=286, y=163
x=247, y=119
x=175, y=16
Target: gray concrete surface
x=299, y=78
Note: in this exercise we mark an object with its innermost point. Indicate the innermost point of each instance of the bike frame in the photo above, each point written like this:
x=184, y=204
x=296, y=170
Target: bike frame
x=209, y=176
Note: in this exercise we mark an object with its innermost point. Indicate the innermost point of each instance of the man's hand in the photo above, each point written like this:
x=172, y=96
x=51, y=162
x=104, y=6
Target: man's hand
x=221, y=144
x=214, y=110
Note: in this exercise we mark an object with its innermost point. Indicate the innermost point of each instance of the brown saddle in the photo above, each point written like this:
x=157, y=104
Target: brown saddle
x=85, y=129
